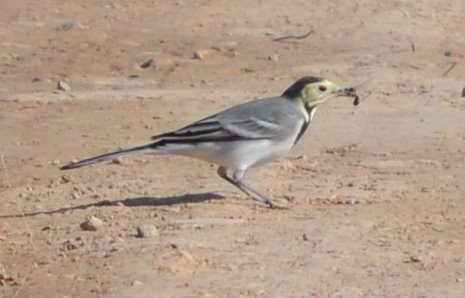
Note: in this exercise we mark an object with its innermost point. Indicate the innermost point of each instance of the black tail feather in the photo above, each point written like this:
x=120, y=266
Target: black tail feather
x=107, y=156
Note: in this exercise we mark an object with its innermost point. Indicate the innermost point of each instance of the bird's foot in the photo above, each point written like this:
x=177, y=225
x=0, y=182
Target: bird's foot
x=276, y=205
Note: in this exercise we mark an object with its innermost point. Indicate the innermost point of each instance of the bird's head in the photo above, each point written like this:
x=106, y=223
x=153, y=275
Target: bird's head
x=313, y=91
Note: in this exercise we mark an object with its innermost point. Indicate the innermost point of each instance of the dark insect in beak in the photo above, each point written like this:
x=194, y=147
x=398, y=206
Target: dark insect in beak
x=350, y=91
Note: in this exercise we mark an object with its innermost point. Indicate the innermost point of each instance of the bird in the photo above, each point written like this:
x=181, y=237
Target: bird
x=243, y=136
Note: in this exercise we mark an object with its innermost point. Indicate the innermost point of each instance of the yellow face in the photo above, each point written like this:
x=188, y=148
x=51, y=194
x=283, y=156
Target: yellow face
x=316, y=93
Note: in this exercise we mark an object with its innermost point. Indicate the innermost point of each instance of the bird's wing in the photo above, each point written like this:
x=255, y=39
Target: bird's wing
x=262, y=119
x=268, y=118
x=214, y=129
x=252, y=128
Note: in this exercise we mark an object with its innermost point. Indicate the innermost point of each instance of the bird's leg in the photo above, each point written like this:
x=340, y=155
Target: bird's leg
x=238, y=181
x=223, y=173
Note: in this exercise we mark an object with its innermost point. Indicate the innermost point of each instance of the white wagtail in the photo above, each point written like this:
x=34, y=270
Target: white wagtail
x=245, y=135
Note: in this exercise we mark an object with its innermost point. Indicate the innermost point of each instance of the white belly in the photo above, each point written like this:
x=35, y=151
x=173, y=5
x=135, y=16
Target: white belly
x=233, y=155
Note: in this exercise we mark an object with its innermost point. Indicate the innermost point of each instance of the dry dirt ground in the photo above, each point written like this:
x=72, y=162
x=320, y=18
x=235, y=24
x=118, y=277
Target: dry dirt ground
x=376, y=193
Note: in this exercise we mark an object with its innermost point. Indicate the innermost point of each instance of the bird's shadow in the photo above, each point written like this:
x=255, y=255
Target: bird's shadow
x=130, y=202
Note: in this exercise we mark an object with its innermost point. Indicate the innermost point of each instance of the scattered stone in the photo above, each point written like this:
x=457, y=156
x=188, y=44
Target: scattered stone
x=205, y=82
x=56, y=162
x=117, y=161
x=197, y=55
x=174, y=246
x=68, y=25
x=247, y=70
x=92, y=224
x=2, y=271
x=463, y=92
x=200, y=54
x=232, y=53
x=37, y=78
x=415, y=259
x=66, y=178
x=147, y=63
x=63, y=86
x=53, y=183
x=69, y=245
x=448, y=53
x=274, y=58
x=137, y=283
x=304, y=237
x=7, y=280
x=354, y=201
x=147, y=231
x=75, y=195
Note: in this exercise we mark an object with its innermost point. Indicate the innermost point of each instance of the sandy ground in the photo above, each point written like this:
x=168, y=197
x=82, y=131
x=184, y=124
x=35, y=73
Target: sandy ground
x=375, y=193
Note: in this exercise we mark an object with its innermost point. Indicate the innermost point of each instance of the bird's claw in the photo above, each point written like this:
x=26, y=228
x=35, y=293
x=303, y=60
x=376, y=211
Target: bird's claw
x=276, y=205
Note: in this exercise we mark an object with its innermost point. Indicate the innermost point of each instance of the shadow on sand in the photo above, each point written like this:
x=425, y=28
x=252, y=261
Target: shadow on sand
x=131, y=202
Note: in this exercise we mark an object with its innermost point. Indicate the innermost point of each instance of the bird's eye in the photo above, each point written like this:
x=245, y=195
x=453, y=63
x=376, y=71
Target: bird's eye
x=322, y=88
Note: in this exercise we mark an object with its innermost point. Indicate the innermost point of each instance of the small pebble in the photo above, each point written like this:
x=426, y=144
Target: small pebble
x=463, y=92
x=37, y=78
x=117, y=161
x=205, y=82
x=147, y=231
x=274, y=58
x=200, y=54
x=197, y=55
x=69, y=25
x=415, y=259
x=66, y=178
x=63, y=86
x=147, y=63
x=69, y=245
x=92, y=224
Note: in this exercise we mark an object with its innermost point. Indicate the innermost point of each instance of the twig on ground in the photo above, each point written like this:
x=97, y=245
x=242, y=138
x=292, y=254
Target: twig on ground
x=294, y=36
x=449, y=69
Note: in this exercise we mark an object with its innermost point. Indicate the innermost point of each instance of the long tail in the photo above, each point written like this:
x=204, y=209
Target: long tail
x=108, y=156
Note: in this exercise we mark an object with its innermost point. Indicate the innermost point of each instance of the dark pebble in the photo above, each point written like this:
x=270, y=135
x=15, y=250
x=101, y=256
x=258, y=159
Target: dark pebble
x=147, y=64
